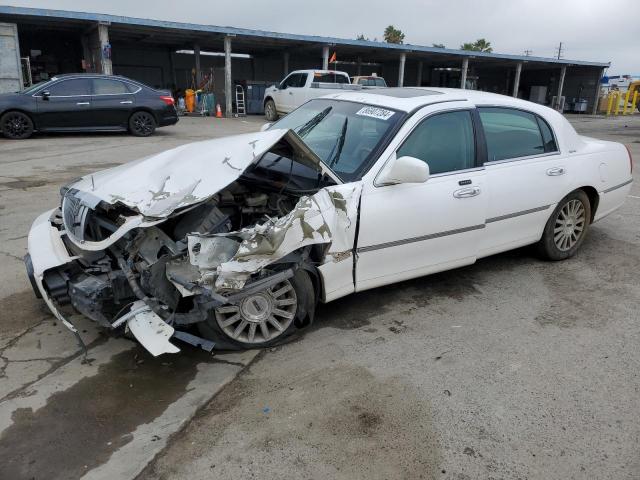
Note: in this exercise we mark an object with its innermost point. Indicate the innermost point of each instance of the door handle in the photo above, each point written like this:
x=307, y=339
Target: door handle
x=83, y=103
x=290, y=93
x=555, y=171
x=126, y=101
x=467, y=192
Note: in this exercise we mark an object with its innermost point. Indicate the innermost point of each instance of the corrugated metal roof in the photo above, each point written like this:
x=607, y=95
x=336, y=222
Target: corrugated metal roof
x=116, y=19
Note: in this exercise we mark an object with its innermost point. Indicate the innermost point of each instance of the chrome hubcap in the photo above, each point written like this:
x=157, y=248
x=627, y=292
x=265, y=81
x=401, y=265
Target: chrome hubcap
x=260, y=317
x=569, y=225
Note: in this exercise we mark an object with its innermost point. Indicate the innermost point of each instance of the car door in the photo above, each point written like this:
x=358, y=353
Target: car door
x=409, y=230
x=299, y=92
x=65, y=104
x=112, y=101
x=526, y=174
x=285, y=99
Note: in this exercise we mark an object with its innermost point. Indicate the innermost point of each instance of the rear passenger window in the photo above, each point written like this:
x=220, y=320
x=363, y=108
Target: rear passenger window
x=102, y=86
x=547, y=136
x=513, y=133
x=444, y=141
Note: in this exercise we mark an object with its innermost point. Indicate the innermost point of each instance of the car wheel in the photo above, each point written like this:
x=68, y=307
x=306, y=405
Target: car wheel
x=566, y=228
x=16, y=125
x=270, y=111
x=142, y=124
x=264, y=318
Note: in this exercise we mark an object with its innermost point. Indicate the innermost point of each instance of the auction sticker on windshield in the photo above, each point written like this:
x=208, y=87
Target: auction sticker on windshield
x=375, y=112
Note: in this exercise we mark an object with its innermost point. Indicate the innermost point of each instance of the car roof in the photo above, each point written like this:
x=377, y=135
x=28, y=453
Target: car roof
x=317, y=70
x=408, y=99
x=90, y=75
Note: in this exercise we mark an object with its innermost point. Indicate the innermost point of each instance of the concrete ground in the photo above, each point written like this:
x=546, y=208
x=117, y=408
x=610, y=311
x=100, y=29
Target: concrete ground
x=510, y=368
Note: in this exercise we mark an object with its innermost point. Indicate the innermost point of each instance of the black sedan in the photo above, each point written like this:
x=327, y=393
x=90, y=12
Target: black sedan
x=86, y=102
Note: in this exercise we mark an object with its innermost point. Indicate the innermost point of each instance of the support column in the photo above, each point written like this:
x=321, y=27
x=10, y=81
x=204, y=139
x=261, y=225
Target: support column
x=596, y=96
x=463, y=73
x=228, y=88
x=172, y=66
x=359, y=66
x=563, y=73
x=325, y=57
x=516, y=80
x=196, y=56
x=419, y=76
x=106, y=66
x=88, y=66
x=403, y=59
x=285, y=61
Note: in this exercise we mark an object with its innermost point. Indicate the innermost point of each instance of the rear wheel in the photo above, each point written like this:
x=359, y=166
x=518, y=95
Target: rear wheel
x=270, y=111
x=142, y=124
x=16, y=125
x=263, y=319
x=566, y=228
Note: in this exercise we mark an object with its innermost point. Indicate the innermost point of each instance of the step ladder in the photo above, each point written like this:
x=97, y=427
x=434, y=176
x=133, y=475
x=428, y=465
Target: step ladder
x=241, y=109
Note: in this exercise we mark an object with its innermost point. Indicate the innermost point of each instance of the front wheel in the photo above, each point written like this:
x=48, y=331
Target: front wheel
x=566, y=228
x=16, y=125
x=142, y=124
x=262, y=319
x=270, y=111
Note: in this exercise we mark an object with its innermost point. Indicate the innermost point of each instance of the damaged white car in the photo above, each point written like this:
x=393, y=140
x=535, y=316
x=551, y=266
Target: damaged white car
x=230, y=243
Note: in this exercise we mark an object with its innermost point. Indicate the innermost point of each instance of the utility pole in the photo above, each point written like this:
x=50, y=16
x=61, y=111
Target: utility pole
x=560, y=51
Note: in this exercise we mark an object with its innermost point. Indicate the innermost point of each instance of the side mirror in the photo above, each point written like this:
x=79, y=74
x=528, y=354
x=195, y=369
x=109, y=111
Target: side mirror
x=266, y=126
x=282, y=86
x=45, y=94
x=404, y=170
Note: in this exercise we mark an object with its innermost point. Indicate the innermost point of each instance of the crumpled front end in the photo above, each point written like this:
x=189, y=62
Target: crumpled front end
x=164, y=277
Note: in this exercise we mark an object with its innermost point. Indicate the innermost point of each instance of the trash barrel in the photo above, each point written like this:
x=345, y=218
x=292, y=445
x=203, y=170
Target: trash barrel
x=190, y=100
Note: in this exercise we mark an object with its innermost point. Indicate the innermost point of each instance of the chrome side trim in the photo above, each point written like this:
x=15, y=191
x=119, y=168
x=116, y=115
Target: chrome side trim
x=521, y=159
x=618, y=186
x=517, y=214
x=446, y=233
x=397, y=243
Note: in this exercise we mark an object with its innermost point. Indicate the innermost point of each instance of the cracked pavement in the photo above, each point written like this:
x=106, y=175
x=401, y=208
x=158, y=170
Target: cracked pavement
x=511, y=368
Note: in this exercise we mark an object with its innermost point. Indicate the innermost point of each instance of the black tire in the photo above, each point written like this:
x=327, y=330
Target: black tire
x=270, y=112
x=211, y=329
x=16, y=125
x=142, y=124
x=561, y=238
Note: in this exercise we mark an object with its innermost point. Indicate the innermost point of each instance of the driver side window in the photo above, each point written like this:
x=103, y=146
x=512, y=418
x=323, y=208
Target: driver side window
x=295, y=80
x=444, y=141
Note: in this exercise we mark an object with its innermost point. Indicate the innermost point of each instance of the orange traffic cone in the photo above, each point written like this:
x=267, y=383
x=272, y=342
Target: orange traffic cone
x=218, y=111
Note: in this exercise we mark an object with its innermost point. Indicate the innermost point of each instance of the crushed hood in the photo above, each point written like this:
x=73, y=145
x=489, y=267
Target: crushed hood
x=157, y=185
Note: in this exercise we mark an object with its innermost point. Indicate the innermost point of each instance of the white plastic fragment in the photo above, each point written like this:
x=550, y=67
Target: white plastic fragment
x=152, y=332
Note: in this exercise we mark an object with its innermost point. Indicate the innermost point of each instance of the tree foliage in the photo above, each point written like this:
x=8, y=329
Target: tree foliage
x=362, y=37
x=438, y=45
x=393, y=35
x=480, y=45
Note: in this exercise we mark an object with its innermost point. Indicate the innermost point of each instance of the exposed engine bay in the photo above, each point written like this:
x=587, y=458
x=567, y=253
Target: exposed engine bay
x=235, y=269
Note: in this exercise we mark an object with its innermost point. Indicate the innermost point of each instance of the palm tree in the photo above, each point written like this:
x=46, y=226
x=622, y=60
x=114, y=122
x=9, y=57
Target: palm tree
x=480, y=45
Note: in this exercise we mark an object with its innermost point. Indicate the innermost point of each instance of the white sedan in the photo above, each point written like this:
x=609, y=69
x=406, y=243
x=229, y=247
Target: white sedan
x=230, y=243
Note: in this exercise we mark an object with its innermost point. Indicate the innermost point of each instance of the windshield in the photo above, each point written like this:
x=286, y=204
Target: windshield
x=345, y=135
x=35, y=87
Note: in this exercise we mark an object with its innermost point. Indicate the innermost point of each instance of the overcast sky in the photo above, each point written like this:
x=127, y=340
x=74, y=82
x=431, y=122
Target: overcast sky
x=600, y=31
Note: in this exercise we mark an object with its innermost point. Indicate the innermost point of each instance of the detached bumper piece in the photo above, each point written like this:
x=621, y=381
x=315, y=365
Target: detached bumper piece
x=154, y=333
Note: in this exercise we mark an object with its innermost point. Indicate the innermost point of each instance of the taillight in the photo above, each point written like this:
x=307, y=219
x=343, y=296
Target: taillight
x=630, y=158
x=168, y=99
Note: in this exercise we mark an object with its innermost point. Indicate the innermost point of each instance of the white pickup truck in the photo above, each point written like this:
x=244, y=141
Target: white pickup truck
x=300, y=86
